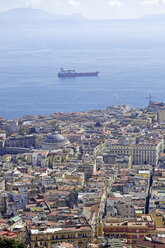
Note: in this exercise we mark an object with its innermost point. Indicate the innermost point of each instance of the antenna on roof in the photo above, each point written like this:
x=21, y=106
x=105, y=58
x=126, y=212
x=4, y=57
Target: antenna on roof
x=150, y=98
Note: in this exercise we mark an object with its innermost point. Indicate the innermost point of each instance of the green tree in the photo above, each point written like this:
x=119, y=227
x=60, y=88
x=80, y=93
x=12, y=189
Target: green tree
x=6, y=243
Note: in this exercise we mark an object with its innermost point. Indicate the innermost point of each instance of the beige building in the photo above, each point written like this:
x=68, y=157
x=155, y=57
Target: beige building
x=75, y=138
x=142, y=152
x=141, y=122
x=99, y=127
x=27, y=141
x=122, y=209
x=79, y=235
x=161, y=116
x=125, y=210
x=2, y=184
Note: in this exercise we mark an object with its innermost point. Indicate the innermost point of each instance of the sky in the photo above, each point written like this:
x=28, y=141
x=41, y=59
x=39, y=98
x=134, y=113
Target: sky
x=93, y=9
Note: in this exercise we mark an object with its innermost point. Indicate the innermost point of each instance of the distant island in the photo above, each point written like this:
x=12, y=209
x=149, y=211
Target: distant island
x=28, y=17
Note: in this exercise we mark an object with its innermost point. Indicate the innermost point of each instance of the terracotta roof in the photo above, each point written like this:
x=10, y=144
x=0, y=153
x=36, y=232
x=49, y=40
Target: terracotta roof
x=146, y=243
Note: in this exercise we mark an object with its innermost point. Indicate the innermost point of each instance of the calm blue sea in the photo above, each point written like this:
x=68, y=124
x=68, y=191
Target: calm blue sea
x=128, y=74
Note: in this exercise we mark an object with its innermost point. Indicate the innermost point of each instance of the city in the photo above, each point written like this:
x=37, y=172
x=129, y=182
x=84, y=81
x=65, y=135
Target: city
x=84, y=179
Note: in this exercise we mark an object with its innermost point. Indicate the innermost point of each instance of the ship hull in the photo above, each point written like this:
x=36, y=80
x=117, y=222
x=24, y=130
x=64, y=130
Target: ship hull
x=78, y=74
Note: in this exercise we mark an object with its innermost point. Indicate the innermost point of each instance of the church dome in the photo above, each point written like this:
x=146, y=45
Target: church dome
x=98, y=124
x=54, y=141
x=55, y=138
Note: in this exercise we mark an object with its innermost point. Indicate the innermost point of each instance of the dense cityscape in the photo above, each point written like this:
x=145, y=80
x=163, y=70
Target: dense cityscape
x=84, y=179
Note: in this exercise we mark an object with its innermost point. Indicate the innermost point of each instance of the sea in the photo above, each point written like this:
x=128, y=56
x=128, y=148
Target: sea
x=129, y=70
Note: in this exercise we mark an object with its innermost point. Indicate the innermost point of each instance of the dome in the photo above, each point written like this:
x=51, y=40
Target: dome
x=54, y=141
x=98, y=124
x=55, y=138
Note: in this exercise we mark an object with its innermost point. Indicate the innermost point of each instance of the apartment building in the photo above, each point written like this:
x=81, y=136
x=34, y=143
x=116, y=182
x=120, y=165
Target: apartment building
x=147, y=152
x=129, y=230
x=78, y=233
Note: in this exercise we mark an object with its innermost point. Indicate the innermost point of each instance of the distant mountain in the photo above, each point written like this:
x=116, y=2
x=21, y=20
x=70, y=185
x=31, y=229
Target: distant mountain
x=153, y=18
x=27, y=13
x=29, y=17
x=148, y=19
x=34, y=18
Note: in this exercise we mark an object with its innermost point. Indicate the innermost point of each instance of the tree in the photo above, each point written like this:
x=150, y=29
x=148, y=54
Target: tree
x=6, y=243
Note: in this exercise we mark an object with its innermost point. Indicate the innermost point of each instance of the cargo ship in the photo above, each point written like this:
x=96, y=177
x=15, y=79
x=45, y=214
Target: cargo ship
x=72, y=73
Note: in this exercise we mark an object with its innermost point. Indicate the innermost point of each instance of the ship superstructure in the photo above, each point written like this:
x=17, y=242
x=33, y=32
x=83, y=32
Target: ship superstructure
x=73, y=73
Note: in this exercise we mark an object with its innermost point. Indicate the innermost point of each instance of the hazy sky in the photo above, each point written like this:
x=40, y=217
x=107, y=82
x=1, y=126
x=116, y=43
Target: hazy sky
x=95, y=9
